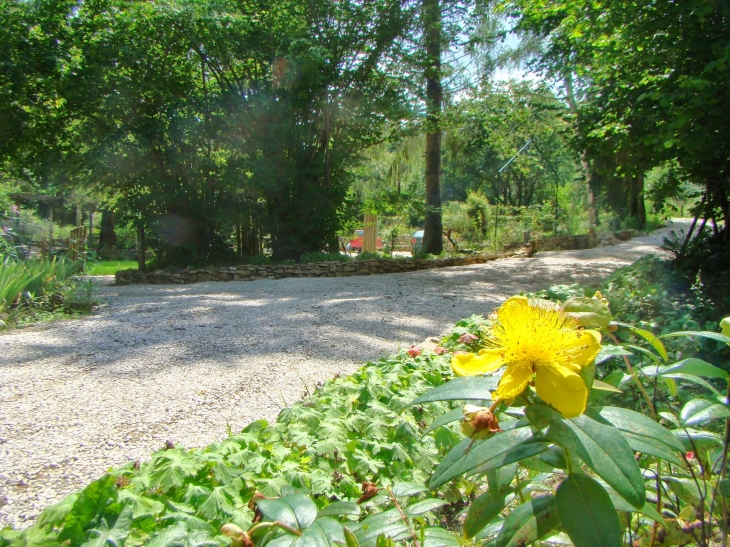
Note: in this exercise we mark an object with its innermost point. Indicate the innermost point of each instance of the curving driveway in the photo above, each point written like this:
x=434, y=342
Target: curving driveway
x=185, y=363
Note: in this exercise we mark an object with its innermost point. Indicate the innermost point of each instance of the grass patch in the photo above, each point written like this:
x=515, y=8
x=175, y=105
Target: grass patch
x=110, y=267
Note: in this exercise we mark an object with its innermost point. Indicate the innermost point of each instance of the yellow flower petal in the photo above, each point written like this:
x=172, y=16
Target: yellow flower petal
x=562, y=388
x=468, y=364
x=581, y=348
x=513, y=381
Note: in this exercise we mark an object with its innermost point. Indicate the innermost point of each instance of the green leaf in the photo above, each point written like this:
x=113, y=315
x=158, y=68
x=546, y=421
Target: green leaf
x=389, y=523
x=53, y=515
x=649, y=337
x=350, y=539
x=172, y=467
x=603, y=386
x=191, y=522
x=698, y=367
x=424, y=506
x=172, y=536
x=35, y=536
x=612, y=351
x=297, y=510
x=529, y=522
x=642, y=433
x=587, y=513
x=700, y=412
x=692, y=379
x=141, y=505
x=602, y=447
x=220, y=503
x=466, y=388
x=340, y=509
x=622, y=505
x=91, y=501
x=693, y=439
x=402, y=489
x=482, y=511
x=447, y=418
x=702, y=334
x=501, y=449
x=588, y=374
x=590, y=312
x=112, y=535
x=439, y=537
x=488, y=506
x=325, y=532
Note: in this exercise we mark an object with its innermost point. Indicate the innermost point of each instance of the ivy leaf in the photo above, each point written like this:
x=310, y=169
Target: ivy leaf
x=172, y=468
x=112, y=535
x=220, y=504
x=171, y=536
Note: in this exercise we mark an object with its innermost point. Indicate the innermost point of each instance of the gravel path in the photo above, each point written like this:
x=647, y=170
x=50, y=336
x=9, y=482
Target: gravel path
x=185, y=363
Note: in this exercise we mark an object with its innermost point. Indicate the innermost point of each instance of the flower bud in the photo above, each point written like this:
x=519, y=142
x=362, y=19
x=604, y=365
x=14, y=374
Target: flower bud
x=479, y=422
x=468, y=338
x=414, y=351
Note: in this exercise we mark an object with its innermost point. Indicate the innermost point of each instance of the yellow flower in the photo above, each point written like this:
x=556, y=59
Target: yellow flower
x=536, y=337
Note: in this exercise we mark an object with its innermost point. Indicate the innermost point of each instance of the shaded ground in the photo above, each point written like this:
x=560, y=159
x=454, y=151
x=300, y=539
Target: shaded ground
x=185, y=363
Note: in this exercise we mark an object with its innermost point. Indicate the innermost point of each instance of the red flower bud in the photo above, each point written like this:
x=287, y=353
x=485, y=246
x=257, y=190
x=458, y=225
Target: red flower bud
x=414, y=351
x=468, y=338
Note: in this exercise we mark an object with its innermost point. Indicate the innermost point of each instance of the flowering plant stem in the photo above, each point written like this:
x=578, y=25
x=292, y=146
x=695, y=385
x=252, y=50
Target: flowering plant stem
x=636, y=379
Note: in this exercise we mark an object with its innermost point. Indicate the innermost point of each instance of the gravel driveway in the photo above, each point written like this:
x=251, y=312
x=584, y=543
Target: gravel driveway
x=185, y=363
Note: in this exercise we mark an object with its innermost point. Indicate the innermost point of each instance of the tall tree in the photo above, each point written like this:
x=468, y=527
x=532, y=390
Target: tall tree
x=433, y=227
x=655, y=79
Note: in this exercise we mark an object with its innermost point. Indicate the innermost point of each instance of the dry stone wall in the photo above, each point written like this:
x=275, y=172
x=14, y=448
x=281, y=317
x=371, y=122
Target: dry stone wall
x=249, y=272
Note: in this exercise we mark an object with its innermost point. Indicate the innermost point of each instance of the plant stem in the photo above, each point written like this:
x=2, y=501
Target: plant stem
x=635, y=377
x=568, y=460
x=414, y=536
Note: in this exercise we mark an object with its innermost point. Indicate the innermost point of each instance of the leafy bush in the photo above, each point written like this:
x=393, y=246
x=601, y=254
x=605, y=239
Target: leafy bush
x=32, y=286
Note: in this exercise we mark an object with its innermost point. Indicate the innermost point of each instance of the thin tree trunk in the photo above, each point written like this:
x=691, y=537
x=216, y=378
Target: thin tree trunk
x=433, y=227
x=141, y=248
x=107, y=235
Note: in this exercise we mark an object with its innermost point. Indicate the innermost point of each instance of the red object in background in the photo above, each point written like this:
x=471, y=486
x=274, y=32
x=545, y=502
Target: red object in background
x=356, y=242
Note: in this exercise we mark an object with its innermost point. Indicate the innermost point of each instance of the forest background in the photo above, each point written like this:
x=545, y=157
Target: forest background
x=216, y=131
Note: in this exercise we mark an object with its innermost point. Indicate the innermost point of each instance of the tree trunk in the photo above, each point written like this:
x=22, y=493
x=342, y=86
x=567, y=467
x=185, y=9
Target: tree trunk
x=141, y=248
x=637, y=209
x=107, y=235
x=433, y=227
